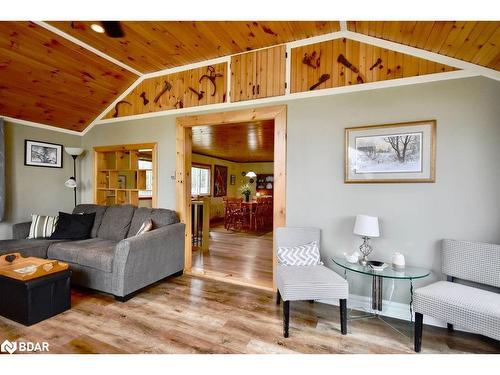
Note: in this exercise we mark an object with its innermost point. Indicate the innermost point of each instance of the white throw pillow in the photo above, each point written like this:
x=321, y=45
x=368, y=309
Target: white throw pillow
x=42, y=226
x=145, y=227
x=302, y=255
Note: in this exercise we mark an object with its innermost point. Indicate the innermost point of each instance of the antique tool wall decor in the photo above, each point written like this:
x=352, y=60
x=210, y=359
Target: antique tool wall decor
x=349, y=62
x=178, y=90
x=115, y=114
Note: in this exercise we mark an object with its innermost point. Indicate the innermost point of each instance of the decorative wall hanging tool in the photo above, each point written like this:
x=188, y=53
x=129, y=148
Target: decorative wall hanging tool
x=323, y=78
x=211, y=76
x=166, y=87
x=118, y=104
x=377, y=63
x=313, y=60
x=144, y=99
x=199, y=94
x=341, y=59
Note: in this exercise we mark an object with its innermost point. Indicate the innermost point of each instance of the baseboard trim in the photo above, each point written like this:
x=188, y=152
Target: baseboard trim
x=391, y=309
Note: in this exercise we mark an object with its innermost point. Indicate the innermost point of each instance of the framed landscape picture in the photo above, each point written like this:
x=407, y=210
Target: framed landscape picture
x=220, y=181
x=404, y=152
x=42, y=154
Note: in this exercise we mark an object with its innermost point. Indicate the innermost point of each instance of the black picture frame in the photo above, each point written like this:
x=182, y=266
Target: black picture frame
x=46, y=154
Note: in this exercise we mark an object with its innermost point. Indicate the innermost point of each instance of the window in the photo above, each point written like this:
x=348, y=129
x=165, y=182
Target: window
x=200, y=180
x=148, y=166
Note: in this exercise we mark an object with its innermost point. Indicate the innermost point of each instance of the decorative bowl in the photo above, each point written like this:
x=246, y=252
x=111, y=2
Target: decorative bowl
x=376, y=265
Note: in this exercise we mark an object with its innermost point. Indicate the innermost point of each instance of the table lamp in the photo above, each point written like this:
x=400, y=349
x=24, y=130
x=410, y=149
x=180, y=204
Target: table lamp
x=366, y=227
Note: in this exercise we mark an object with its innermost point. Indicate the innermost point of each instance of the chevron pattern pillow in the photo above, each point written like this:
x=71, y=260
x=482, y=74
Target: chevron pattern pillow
x=303, y=255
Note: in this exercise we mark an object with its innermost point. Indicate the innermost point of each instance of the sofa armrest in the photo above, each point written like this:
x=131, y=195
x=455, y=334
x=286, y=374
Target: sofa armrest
x=142, y=260
x=21, y=230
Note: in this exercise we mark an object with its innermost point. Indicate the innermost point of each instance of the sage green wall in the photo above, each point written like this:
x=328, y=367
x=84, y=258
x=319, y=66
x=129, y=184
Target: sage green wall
x=160, y=130
x=464, y=203
x=33, y=189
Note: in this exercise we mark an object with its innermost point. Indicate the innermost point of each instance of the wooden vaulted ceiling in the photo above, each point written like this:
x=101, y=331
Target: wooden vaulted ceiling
x=475, y=42
x=152, y=46
x=239, y=142
x=48, y=79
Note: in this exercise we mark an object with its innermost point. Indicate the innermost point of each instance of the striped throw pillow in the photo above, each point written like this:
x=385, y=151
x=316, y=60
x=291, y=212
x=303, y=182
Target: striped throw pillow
x=145, y=227
x=303, y=255
x=42, y=226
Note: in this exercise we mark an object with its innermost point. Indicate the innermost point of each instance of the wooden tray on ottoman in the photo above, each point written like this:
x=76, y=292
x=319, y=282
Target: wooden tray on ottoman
x=19, y=268
x=33, y=289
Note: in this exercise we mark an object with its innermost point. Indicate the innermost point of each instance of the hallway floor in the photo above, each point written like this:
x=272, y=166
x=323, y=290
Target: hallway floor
x=241, y=257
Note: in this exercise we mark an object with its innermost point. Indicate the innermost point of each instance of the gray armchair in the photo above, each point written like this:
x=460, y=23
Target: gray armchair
x=468, y=307
x=302, y=283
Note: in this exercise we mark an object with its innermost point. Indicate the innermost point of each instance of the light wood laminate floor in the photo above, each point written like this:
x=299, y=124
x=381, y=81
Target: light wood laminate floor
x=237, y=256
x=194, y=315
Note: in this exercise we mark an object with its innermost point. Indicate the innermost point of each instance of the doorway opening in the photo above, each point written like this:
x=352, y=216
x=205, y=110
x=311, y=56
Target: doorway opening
x=222, y=159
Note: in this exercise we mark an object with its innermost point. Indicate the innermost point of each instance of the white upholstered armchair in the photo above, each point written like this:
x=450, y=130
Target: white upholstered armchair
x=306, y=282
x=474, y=309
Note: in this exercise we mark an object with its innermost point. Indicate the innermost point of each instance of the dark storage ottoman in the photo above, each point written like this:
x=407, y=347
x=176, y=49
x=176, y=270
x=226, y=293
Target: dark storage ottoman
x=29, y=302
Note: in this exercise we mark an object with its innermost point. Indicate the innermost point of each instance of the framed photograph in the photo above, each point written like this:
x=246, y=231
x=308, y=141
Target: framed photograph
x=233, y=179
x=220, y=181
x=404, y=152
x=43, y=154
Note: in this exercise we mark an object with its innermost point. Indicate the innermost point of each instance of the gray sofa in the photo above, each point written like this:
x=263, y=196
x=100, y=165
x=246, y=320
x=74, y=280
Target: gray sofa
x=113, y=260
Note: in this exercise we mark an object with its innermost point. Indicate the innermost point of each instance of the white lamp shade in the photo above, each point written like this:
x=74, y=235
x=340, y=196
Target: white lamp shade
x=71, y=183
x=251, y=174
x=73, y=151
x=366, y=226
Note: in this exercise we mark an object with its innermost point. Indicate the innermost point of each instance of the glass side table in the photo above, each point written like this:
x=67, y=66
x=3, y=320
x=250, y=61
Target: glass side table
x=408, y=273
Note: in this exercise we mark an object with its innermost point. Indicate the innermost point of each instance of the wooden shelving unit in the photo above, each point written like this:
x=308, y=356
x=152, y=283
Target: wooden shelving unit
x=265, y=184
x=118, y=178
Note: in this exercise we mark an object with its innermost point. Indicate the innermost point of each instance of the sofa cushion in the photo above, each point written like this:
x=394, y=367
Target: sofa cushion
x=298, y=283
x=88, y=209
x=116, y=222
x=27, y=247
x=159, y=216
x=94, y=253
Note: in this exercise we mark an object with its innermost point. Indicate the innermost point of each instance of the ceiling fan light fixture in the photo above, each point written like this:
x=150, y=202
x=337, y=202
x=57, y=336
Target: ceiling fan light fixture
x=97, y=28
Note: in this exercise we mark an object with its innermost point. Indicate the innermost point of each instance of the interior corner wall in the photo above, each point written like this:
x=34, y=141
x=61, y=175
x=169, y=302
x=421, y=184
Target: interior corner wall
x=34, y=190
x=160, y=130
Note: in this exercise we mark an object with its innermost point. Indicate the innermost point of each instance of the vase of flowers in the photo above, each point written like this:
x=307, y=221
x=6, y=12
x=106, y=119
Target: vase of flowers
x=245, y=190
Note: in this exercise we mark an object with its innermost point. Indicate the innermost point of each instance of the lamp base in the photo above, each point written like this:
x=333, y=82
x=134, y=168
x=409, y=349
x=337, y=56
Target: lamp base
x=365, y=249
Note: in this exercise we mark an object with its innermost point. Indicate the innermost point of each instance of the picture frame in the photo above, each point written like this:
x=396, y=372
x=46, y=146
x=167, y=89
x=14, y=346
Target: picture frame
x=220, y=181
x=43, y=154
x=391, y=153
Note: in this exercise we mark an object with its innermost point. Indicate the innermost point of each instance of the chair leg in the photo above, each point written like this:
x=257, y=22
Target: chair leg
x=278, y=297
x=343, y=316
x=419, y=319
x=286, y=317
x=450, y=327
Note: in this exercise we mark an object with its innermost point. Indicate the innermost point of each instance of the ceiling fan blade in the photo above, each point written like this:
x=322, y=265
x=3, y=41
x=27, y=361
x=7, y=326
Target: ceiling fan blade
x=113, y=29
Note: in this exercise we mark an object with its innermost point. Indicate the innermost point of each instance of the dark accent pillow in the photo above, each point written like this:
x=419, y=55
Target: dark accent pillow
x=73, y=227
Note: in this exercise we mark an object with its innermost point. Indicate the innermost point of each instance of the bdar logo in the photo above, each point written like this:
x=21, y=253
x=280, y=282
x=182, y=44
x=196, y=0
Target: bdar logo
x=8, y=347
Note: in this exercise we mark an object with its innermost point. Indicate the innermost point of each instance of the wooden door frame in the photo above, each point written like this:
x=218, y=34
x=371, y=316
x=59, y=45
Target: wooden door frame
x=183, y=164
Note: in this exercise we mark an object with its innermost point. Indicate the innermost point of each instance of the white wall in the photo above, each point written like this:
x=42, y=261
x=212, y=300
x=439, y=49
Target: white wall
x=464, y=202
x=34, y=190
